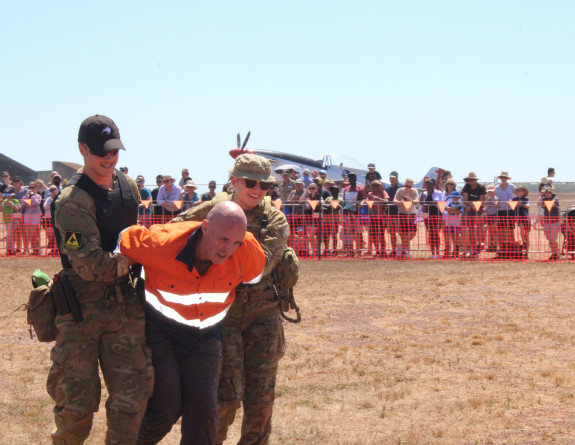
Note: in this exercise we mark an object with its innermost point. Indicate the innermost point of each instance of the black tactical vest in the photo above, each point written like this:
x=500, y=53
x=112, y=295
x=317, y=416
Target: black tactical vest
x=115, y=210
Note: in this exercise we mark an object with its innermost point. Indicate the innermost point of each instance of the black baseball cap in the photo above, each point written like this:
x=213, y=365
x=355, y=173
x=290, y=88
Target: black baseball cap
x=100, y=134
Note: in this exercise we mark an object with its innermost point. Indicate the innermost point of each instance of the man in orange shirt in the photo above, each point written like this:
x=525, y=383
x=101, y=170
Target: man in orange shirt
x=190, y=274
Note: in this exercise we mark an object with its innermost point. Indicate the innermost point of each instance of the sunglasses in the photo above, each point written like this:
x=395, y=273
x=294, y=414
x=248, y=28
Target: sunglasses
x=113, y=152
x=166, y=181
x=251, y=183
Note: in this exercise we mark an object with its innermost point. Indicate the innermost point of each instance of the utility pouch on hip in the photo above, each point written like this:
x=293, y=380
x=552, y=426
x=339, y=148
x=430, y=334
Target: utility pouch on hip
x=41, y=312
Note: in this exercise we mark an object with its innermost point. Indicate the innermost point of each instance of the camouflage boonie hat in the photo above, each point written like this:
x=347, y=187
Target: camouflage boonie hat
x=250, y=166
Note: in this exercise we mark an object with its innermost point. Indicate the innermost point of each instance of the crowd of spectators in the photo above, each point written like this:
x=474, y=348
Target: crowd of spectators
x=459, y=224
x=348, y=219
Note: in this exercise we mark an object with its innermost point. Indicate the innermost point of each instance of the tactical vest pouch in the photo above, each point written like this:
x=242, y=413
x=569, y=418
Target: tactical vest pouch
x=286, y=275
x=41, y=313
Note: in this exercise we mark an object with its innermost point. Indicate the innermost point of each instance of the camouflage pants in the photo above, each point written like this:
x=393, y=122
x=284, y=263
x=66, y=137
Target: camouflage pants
x=253, y=344
x=113, y=334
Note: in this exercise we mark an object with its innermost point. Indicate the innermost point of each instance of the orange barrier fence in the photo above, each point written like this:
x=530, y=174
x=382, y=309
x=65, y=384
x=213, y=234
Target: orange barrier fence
x=402, y=237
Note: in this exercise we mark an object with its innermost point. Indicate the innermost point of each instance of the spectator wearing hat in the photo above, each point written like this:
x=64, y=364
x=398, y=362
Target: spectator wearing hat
x=546, y=180
x=10, y=206
x=124, y=170
x=208, y=196
x=522, y=217
x=19, y=192
x=295, y=205
x=352, y=196
x=312, y=215
x=452, y=218
x=190, y=197
x=492, y=240
x=144, y=213
x=377, y=218
x=305, y=176
x=56, y=180
x=445, y=177
x=168, y=195
x=505, y=215
x=287, y=186
x=393, y=211
x=371, y=175
x=551, y=223
x=31, y=218
x=323, y=176
x=473, y=232
x=157, y=209
x=406, y=199
x=51, y=248
x=331, y=217
x=433, y=222
x=5, y=184
x=185, y=177
x=449, y=186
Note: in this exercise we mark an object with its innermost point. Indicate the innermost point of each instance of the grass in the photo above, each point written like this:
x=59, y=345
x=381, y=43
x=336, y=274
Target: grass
x=387, y=352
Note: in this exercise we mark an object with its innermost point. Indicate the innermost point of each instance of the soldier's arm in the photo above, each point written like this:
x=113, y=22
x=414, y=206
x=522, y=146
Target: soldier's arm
x=195, y=213
x=275, y=240
x=75, y=218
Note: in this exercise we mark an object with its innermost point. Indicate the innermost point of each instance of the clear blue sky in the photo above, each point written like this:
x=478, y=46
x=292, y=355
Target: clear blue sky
x=477, y=86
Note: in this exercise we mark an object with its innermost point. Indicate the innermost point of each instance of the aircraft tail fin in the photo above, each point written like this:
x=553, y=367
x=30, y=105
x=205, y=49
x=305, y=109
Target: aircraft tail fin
x=435, y=173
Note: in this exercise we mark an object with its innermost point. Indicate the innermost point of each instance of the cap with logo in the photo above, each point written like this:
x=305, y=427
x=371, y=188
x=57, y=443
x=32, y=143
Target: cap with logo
x=250, y=166
x=393, y=174
x=100, y=134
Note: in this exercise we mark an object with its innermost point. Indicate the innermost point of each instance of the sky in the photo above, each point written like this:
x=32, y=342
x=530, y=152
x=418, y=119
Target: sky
x=479, y=86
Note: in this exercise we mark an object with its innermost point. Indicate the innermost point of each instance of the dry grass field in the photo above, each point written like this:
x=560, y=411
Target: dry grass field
x=387, y=353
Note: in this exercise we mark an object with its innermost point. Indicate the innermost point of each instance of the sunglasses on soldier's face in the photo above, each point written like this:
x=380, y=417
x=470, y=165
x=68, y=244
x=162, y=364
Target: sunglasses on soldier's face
x=251, y=183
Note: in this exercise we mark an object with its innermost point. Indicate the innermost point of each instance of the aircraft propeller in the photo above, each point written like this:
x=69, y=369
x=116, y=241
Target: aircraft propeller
x=246, y=140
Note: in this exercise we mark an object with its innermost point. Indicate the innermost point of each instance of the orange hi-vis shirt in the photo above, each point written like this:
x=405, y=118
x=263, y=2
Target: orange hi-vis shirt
x=174, y=288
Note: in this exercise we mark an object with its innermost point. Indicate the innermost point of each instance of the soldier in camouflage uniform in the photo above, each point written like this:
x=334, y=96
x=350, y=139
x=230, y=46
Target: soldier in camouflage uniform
x=253, y=336
x=88, y=216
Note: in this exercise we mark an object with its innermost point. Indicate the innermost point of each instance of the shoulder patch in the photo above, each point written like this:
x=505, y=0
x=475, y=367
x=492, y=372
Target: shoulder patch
x=73, y=240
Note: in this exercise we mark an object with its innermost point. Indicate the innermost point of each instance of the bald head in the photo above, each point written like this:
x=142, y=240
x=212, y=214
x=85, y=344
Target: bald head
x=223, y=232
x=227, y=213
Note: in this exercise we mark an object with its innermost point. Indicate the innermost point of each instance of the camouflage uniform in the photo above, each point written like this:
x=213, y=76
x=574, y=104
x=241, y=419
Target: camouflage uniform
x=111, y=333
x=252, y=332
x=285, y=189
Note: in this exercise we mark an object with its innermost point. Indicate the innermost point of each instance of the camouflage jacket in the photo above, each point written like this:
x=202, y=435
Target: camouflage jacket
x=273, y=238
x=75, y=218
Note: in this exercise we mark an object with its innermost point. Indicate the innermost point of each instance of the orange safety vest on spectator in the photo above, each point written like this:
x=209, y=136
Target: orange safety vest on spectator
x=178, y=293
